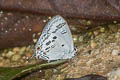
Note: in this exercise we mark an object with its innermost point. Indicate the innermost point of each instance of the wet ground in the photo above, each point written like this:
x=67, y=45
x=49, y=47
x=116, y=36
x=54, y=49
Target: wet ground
x=98, y=53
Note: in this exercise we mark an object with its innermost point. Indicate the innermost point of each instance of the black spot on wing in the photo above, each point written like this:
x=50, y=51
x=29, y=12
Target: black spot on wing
x=48, y=42
x=62, y=45
x=58, y=27
x=54, y=37
x=53, y=40
x=55, y=31
x=47, y=48
x=44, y=53
x=61, y=25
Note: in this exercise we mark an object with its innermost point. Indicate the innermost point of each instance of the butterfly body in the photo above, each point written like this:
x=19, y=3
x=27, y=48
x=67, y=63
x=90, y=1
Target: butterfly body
x=55, y=41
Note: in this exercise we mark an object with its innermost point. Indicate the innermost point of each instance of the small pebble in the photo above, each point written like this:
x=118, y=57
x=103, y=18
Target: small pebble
x=38, y=33
x=3, y=54
x=115, y=52
x=93, y=44
x=114, y=22
x=73, y=28
x=114, y=75
x=15, y=57
x=96, y=33
x=16, y=49
x=75, y=38
x=1, y=58
x=89, y=22
x=1, y=64
x=44, y=21
x=49, y=17
x=22, y=50
x=34, y=40
x=89, y=33
x=89, y=62
x=33, y=36
x=112, y=28
x=117, y=35
x=22, y=61
x=102, y=29
x=6, y=62
x=81, y=39
x=10, y=54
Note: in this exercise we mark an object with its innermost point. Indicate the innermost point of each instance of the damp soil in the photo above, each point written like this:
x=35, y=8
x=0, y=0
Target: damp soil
x=98, y=53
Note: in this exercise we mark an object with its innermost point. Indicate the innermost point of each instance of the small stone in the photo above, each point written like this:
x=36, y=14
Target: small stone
x=73, y=28
x=15, y=57
x=81, y=39
x=102, y=29
x=22, y=50
x=114, y=22
x=44, y=21
x=89, y=33
x=75, y=38
x=10, y=54
x=22, y=61
x=34, y=40
x=96, y=33
x=23, y=57
x=93, y=44
x=90, y=62
x=6, y=62
x=89, y=22
x=34, y=34
x=114, y=74
x=38, y=33
x=30, y=29
x=113, y=28
x=55, y=70
x=1, y=64
x=49, y=17
x=117, y=35
x=16, y=49
x=115, y=52
x=1, y=58
x=3, y=54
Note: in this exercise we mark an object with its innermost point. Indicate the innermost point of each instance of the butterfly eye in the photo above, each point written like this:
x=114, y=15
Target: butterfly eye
x=38, y=48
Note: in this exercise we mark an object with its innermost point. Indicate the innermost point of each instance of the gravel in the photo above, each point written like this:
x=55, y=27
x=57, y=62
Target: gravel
x=98, y=53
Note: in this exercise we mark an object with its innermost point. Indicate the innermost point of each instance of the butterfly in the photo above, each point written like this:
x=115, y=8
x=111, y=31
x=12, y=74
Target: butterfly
x=55, y=41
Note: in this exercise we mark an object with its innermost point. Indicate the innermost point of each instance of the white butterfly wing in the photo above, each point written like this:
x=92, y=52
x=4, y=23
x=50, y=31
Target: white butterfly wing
x=55, y=48
x=58, y=25
x=55, y=41
x=47, y=29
